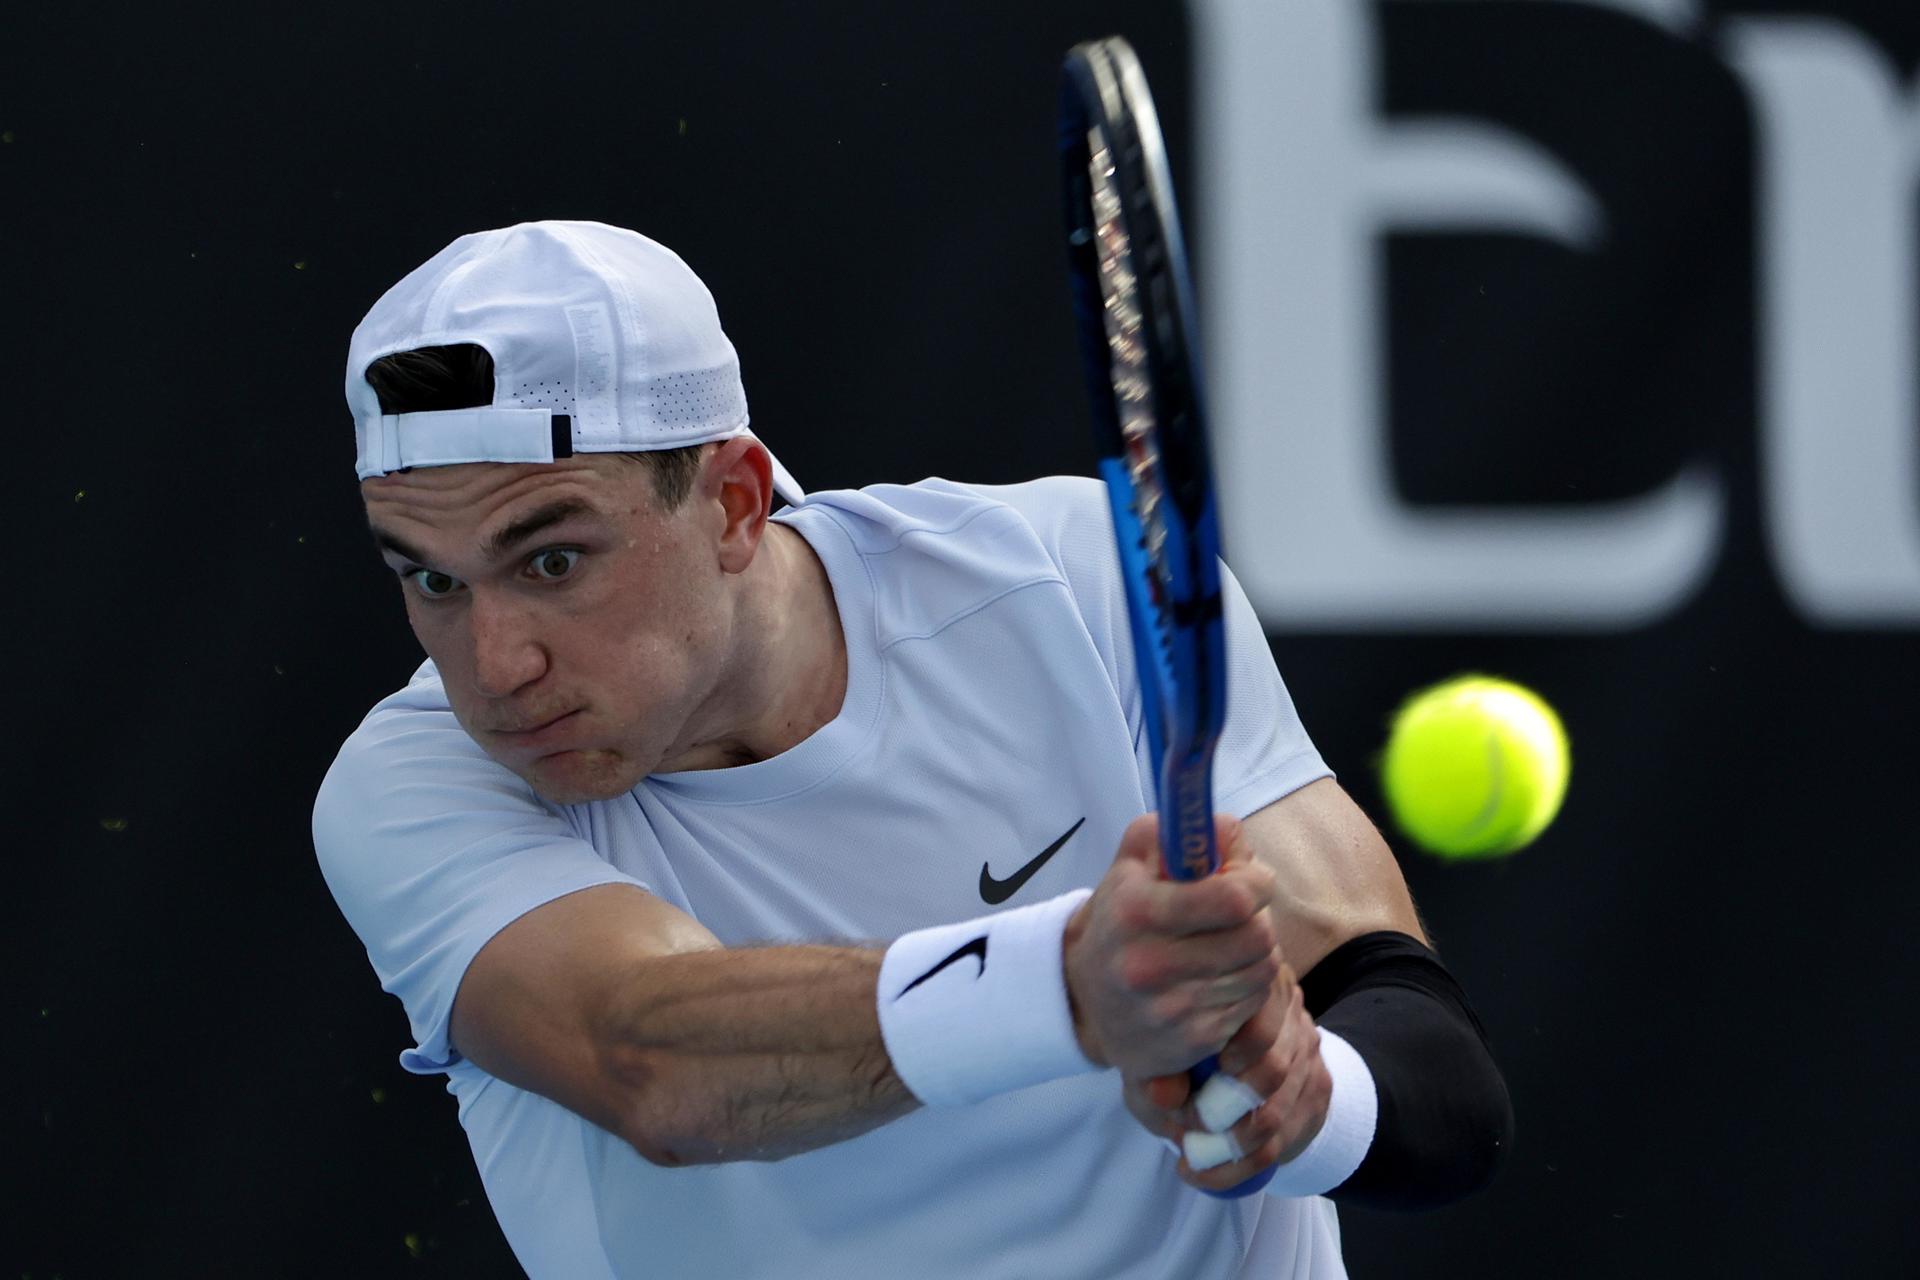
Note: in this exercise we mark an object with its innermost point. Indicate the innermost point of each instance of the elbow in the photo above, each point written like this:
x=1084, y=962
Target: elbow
x=1486, y=1141
x=657, y=1149
x=650, y=1108
x=653, y=1137
x=667, y=1145
x=1432, y=1156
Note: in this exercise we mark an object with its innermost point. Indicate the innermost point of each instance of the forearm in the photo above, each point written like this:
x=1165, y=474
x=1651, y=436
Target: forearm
x=697, y=1054
x=748, y=1054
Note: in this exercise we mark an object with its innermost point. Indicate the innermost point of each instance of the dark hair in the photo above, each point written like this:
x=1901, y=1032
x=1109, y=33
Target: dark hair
x=461, y=377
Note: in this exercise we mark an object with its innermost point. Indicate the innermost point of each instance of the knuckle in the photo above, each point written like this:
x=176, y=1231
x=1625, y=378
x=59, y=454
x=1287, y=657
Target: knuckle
x=1214, y=896
x=1132, y=906
x=1264, y=1078
x=1211, y=1034
x=1265, y=1041
x=1255, y=1035
x=1170, y=1008
x=1142, y=968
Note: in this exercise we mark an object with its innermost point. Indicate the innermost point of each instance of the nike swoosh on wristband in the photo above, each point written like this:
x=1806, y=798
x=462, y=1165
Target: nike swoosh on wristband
x=994, y=892
x=978, y=947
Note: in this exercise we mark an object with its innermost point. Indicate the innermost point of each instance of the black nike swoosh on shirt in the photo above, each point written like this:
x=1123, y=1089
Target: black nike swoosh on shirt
x=978, y=947
x=994, y=892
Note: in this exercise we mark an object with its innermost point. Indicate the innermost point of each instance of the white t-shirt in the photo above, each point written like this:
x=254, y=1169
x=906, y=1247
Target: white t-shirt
x=991, y=705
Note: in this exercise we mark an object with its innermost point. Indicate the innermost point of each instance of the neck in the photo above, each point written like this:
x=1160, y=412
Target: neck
x=788, y=673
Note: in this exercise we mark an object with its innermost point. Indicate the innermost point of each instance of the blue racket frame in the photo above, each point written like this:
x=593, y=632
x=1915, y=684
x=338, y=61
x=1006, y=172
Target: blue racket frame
x=1173, y=600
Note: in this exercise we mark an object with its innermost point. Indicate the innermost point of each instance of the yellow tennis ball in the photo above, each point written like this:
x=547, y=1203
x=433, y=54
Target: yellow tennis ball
x=1475, y=767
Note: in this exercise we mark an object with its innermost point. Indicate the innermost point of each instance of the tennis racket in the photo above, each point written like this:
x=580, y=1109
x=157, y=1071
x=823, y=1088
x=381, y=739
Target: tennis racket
x=1134, y=304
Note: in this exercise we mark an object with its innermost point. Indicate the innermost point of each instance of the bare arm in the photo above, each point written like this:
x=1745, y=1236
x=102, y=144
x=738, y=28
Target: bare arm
x=627, y=1011
x=1336, y=877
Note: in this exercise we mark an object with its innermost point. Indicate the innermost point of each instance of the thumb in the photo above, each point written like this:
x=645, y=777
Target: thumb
x=1231, y=835
x=1140, y=842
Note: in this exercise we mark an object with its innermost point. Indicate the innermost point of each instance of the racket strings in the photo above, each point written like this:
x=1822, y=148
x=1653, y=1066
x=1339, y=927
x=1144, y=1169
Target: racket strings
x=1132, y=388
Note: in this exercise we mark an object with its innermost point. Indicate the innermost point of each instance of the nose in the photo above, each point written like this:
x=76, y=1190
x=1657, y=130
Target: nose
x=507, y=653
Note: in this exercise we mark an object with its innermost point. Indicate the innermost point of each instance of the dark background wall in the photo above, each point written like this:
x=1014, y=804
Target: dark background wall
x=1699, y=981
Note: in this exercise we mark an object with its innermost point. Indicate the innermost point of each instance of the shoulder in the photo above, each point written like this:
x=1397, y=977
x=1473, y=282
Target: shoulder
x=938, y=549
x=412, y=723
x=430, y=849
x=1043, y=522
x=1056, y=507
x=408, y=765
x=1071, y=518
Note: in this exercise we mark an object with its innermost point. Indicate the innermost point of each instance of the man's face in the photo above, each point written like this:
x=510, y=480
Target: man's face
x=579, y=630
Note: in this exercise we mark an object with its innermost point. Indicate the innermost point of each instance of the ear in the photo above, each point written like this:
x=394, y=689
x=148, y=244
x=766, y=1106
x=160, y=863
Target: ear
x=739, y=477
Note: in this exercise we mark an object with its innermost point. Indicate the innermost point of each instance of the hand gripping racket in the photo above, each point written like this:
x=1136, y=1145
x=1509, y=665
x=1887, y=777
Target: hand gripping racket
x=1134, y=304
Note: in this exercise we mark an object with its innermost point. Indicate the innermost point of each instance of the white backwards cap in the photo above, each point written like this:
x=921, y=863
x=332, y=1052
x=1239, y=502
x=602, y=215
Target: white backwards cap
x=602, y=342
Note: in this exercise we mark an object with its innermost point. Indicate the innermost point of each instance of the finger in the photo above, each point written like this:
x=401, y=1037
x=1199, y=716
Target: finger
x=1227, y=966
x=1230, y=834
x=1250, y=990
x=1168, y=1093
x=1252, y=1044
x=1293, y=1117
x=1222, y=1101
x=1140, y=842
x=1316, y=1097
x=1292, y=1108
x=1299, y=1070
x=1207, y=1026
x=1161, y=1122
x=1224, y=1177
x=1225, y=900
x=1205, y=1151
x=1271, y=1035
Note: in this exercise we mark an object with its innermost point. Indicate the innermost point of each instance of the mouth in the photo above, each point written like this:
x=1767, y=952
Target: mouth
x=535, y=734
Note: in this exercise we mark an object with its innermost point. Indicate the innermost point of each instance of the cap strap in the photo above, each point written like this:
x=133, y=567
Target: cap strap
x=447, y=436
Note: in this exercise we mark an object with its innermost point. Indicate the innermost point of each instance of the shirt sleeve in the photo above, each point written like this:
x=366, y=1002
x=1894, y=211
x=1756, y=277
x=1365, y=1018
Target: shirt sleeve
x=431, y=848
x=1264, y=751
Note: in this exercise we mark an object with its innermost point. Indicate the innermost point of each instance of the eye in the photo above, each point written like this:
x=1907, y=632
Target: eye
x=433, y=584
x=554, y=564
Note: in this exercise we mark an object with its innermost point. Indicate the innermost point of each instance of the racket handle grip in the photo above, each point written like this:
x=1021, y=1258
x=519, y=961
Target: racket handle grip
x=1198, y=1076
x=1190, y=852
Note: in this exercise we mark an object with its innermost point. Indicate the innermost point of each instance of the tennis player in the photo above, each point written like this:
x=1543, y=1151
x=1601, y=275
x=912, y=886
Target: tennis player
x=766, y=872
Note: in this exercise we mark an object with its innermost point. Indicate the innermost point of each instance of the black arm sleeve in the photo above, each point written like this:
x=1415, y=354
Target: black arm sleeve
x=1445, y=1120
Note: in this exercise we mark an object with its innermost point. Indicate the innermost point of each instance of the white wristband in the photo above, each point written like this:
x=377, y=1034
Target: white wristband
x=978, y=1008
x=1337, y=1150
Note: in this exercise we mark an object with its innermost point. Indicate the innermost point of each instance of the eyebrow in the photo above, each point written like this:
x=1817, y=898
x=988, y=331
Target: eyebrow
x=503, y=542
